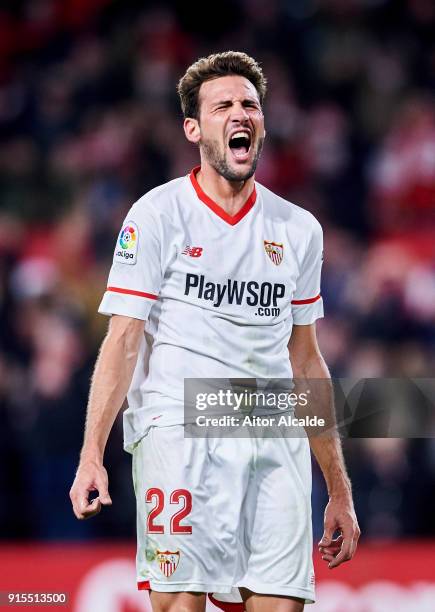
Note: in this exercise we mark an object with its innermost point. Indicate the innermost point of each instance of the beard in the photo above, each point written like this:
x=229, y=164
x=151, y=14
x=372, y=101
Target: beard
x=216, y=158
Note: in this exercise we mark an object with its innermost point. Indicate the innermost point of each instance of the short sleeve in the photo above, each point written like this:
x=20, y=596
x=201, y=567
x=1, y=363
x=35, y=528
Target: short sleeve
x=136, y=274
x=307, y=303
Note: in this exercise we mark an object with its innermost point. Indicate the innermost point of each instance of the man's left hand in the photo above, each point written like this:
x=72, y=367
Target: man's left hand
x=339, y=516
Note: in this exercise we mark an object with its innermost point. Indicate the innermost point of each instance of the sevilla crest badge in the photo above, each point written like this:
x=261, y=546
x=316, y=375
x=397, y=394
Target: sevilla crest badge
x=275, y=251
x=168, y=561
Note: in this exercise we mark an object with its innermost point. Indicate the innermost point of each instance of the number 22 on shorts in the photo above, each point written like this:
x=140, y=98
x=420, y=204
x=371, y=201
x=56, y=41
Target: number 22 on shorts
x=157, y=497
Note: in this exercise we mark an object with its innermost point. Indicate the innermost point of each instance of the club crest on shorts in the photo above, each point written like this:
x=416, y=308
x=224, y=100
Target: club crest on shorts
x=275, y=251
x=168, y=561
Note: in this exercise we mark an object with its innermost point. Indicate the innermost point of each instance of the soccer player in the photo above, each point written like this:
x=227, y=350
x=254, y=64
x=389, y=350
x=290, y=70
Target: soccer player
x=214, y=276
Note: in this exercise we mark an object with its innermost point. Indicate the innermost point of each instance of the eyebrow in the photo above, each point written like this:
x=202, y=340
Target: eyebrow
x=229, y=102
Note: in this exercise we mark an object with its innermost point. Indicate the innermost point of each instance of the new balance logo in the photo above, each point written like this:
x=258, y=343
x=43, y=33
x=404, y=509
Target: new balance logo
x=192, y=251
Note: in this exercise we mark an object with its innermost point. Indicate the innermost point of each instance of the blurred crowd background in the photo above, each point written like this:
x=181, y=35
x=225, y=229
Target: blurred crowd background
x=90, y=120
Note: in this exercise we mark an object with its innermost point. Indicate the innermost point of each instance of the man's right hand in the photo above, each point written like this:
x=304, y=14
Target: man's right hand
x=90, y=477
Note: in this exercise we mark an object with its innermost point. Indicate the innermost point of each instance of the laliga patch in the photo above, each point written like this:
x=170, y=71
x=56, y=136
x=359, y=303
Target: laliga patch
x=126, y=247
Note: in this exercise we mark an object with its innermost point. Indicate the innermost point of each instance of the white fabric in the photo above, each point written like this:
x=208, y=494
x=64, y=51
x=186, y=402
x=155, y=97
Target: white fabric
x=225, y=313
x=250, y=519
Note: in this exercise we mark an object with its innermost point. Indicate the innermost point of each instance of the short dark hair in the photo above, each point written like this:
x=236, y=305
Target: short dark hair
x=213, y=67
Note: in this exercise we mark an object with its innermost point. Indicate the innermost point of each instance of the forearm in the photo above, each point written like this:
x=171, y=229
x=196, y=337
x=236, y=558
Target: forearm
x=110, y=383
x=326, y=447
x=329, y=456
x=310, y=371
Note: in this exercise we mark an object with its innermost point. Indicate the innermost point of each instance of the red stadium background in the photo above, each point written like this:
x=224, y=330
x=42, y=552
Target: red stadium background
x=381, y=578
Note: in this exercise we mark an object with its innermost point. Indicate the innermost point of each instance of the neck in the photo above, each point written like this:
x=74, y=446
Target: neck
x=230, y=195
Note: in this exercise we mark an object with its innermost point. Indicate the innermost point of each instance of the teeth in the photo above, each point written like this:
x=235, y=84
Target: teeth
x=240, y=135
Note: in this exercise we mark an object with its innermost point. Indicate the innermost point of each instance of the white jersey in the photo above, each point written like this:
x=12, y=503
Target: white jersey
x=219, y=293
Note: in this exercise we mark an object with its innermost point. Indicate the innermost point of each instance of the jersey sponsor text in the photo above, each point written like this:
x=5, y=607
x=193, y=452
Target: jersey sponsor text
x=251, y=293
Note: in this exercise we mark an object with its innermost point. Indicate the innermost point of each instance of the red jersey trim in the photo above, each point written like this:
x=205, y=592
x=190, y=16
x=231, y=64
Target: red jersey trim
x=307, y=301
x=218, y=210
x=226, y=605
x=150, y=296
x=144, y=585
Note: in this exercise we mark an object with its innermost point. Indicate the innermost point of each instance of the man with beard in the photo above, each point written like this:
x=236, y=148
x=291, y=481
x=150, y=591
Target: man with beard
x=214, y=276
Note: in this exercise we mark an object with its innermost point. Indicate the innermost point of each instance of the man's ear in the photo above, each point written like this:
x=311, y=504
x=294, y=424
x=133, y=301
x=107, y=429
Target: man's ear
x=192, y=130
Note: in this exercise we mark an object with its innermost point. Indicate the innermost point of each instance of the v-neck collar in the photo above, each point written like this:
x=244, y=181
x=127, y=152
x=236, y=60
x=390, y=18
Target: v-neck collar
x=218, y=210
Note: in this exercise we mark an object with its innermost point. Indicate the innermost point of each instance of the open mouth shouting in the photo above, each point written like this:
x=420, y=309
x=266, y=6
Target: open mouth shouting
x=240, y=145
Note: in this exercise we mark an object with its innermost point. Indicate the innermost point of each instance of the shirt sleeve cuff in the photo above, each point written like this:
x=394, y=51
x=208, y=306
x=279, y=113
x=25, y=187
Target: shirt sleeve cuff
x=134, y=306
x=306, y=314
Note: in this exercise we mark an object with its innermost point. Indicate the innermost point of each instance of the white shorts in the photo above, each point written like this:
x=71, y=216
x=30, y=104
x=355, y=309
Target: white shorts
x=214, y=514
